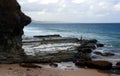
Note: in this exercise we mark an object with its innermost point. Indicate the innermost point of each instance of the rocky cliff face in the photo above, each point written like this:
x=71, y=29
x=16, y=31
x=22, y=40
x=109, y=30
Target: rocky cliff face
x=12, y=22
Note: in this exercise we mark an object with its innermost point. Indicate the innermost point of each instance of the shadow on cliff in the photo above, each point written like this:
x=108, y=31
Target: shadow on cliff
x=12, y=22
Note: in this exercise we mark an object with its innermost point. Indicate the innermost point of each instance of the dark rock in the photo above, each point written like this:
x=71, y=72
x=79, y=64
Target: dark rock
x=108, y=54
x=117, y=67
x=98, y=53
x=52, y=57
x=92, y=41
x=29, y=65
x=80, y=63
x=103, y=65
x=86, y=50
x=27, y=69
x=12, y=22
x=10, y=69
x=53, y=65
x=91, y=45
x=104, y=54
x=83, y=56
x=47, y=36
x=51, y=40
x=118, y=63
x=100, y=45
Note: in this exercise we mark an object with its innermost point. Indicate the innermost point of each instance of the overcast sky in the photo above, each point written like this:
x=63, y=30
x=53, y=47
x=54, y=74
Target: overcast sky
x=83, y=11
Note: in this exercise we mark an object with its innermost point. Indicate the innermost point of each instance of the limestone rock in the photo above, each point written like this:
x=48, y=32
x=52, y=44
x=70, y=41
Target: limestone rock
x=12, y=22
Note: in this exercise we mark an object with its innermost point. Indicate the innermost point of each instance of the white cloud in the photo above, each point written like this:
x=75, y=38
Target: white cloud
x=117, y=7
x=78, y=1
x=47, y=1
x=21, y=2
x=32, y=1
x=72, y=9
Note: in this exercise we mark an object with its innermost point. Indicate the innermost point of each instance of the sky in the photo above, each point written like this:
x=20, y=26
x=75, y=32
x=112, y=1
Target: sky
x=74, y=11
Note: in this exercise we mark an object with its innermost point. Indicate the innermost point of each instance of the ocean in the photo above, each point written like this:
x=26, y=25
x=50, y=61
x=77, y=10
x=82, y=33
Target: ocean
x=107, y=33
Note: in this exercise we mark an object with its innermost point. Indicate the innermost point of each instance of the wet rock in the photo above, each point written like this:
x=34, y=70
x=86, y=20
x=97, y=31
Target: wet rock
x=108, y=54
x=28, y=69
x=91, y=45
x=104, y=54
x=118, y=63
x=10, y=69
x=83, y=56
x=103, y=65
x=47, y=36
x=12, y=22
x=92, y=41
x=29, y=65
x=86, y=50
x=80, y=63
x=98, y=53
x=52, y=57
x=100, y=45
x=53, y=65
x=117, y=67
x=87, y=45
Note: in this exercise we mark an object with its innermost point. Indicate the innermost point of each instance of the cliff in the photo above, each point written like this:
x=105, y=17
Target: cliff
x=12, y=22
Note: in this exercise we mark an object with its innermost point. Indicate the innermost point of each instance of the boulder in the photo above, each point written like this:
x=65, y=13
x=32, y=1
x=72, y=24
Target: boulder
x=80, y=63
x=103, y=65
x=12, y=22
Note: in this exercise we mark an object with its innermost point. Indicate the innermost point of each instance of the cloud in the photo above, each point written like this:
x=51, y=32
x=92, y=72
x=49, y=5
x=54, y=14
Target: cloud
x=72, y=10
x=78, y=1
x=48, y=1
x=117, y=7
x=32, y=1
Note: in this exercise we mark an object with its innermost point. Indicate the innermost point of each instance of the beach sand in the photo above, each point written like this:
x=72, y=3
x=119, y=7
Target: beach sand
x=16, y=70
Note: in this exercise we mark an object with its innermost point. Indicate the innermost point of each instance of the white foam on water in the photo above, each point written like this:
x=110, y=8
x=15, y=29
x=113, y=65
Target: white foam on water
x=61, y=66
x=66, y=66
x=49, y=48
x=98, y=50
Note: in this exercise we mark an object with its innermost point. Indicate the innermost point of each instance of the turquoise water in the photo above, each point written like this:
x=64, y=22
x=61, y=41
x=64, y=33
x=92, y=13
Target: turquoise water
x=108, y=34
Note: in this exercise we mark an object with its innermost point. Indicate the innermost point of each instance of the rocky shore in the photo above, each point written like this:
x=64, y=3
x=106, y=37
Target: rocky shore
x=43, y=49
x=80, y=54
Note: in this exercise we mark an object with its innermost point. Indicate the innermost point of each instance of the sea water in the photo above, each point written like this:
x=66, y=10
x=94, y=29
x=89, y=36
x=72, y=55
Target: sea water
x=107, y=33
